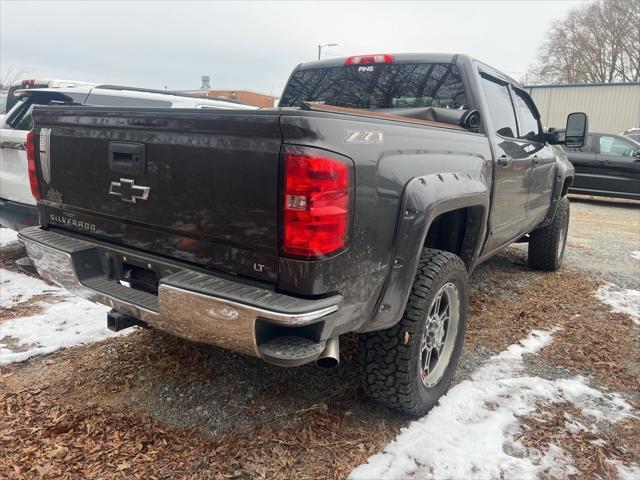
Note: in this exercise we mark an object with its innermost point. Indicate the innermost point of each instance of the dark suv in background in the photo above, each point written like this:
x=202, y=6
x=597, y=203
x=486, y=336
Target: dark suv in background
x=606, y=165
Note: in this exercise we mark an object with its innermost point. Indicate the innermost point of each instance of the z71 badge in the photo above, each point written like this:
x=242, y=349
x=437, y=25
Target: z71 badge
x=360, y=136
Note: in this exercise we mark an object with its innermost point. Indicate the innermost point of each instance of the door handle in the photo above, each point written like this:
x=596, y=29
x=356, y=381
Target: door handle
x=504, y=160
x=13, y=145
x=535, y=160
x=127, y=157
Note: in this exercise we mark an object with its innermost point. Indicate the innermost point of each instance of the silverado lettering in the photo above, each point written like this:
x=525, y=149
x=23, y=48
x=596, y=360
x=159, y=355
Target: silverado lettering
x=72, y=221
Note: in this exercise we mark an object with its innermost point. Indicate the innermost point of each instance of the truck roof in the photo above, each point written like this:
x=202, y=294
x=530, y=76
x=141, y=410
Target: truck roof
x=397, y=58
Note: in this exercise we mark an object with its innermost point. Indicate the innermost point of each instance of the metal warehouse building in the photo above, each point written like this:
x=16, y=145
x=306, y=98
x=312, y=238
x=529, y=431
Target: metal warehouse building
x=611, y=107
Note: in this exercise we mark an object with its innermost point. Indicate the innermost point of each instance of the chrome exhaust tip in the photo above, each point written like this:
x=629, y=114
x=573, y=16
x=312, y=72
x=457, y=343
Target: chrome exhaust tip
x=330, y=356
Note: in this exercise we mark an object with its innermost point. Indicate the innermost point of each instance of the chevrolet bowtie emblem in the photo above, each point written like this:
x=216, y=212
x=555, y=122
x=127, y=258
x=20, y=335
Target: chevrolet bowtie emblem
x=128, y=191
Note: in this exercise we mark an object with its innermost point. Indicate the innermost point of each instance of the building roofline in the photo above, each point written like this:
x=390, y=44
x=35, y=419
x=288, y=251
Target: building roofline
x=563, y=85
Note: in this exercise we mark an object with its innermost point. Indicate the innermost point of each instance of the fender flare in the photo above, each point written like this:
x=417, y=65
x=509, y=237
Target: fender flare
x=425, y=198
x=563, y=171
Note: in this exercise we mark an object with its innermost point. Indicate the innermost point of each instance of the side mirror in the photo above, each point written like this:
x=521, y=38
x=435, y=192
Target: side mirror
x=577, y=129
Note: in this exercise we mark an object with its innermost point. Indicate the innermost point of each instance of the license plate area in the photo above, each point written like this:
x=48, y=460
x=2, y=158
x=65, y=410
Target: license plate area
x=138, y=275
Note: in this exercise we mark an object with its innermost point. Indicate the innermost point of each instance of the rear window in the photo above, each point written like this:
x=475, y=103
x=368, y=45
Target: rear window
x=19, y=118
x=12, y=99
x=378, y=86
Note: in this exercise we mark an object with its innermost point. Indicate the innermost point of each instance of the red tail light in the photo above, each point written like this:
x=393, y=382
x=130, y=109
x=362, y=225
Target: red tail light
x=317, y=198
x=369, y=59
x=31, y=165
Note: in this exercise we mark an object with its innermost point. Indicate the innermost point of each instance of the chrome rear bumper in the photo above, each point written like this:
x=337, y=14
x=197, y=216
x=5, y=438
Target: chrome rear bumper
x=189, y=304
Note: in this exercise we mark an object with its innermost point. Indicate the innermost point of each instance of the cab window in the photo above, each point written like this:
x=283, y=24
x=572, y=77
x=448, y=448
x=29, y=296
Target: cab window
x=529, y=129
x=500, y=107
x=615, y=147
x=19, y=118
x=378, y=86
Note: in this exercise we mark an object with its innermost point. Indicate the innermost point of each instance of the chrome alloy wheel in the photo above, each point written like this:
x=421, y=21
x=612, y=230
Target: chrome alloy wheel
x=439, y=335
x=562, y=243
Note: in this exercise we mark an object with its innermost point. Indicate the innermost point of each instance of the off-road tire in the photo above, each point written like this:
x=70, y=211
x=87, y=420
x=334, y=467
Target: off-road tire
x=547, y=245
x=390, y=359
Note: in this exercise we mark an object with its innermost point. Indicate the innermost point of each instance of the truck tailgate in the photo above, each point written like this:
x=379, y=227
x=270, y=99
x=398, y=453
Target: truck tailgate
x=199, y=186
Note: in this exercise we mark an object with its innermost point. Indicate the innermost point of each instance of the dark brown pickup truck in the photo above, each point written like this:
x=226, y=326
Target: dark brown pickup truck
x=361, y=204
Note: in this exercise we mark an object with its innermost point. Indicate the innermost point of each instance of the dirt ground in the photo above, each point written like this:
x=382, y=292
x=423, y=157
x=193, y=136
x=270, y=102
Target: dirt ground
x=151, y=406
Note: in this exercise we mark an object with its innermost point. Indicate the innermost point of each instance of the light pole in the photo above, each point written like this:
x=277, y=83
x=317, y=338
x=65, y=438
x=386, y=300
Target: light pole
x=320, y=47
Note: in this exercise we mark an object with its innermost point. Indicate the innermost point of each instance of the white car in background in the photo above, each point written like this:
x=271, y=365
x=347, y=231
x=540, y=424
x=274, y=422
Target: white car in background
x=633, y=134
x=12, y=98
x=17, y=204
x=3, y=104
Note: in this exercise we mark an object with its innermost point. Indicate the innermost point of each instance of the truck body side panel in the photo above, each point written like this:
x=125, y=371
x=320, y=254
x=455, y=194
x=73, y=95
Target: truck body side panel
x=382, y=172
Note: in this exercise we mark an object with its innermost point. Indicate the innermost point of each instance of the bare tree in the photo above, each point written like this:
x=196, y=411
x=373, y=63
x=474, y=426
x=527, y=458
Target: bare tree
x=597, y=42
x=11, y=77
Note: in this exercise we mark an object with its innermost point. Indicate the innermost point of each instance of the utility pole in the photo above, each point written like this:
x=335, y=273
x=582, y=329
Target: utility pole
x=320, y=47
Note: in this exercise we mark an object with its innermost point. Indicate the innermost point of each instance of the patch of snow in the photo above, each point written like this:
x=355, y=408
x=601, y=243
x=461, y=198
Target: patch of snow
x=635, y=254
x=574, y=426
x=66, y=321
x=621, y=300
x=8, y=237
x=631, y=472
x=18, y=288
x=65, y=324
x=471, y=432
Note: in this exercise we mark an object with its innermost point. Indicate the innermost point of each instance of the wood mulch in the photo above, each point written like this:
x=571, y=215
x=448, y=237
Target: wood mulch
x=591, y=449
x=41, y=438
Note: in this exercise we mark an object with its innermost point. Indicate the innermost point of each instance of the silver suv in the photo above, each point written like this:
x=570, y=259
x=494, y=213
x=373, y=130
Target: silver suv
x=17, y=204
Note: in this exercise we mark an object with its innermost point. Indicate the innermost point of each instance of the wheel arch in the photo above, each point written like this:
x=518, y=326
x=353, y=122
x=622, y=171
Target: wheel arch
x=456, y=231
x=432, y=206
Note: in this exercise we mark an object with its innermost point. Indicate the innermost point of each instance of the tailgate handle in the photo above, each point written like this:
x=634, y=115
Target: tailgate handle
x=127, y=157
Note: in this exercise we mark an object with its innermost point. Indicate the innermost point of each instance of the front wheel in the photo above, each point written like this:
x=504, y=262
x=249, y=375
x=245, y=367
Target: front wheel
x=409, y=366
x=547, y=245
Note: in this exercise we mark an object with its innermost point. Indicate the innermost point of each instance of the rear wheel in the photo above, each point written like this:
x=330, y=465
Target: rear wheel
x=547, y=245
x=409, y=366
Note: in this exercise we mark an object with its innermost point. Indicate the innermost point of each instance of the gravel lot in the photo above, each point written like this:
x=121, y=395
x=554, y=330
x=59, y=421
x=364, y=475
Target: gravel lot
x=150, y=406
x=604, y=234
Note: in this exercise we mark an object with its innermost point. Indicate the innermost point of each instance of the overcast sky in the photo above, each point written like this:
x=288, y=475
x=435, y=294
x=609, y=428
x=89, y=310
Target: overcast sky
x=254, y=45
